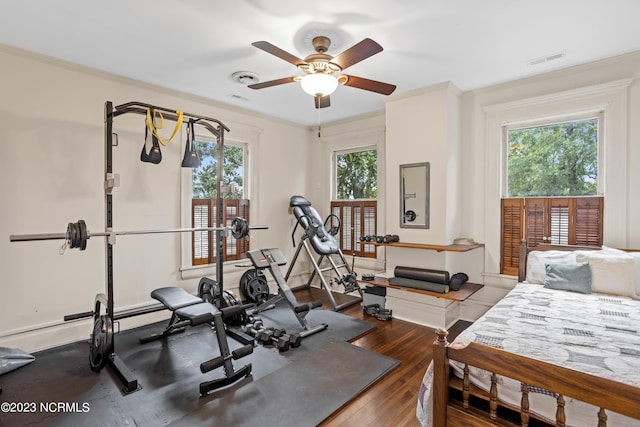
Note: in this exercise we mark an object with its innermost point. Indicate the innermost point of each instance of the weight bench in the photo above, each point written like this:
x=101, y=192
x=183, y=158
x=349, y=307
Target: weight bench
x=190, y=310
x=272, y=259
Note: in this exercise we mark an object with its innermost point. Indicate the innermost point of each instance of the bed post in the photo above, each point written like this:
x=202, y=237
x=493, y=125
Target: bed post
x=522, y=260
x=440, y=378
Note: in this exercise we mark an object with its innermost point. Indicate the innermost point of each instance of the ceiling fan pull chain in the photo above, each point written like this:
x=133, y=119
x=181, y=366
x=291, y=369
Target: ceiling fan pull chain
x=318, y=110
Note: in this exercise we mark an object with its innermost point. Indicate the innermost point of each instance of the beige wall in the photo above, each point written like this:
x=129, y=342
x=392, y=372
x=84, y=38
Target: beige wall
x=52, y=162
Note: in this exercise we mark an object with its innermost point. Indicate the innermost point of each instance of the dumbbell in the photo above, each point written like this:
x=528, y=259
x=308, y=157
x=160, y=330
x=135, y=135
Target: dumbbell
x=389, y=238
x=275, y=337
x=254, y=328
x=295, y=340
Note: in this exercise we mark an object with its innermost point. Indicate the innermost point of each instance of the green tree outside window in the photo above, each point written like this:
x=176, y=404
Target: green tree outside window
x=357, y=175
x=204, y=178
x=554, y=160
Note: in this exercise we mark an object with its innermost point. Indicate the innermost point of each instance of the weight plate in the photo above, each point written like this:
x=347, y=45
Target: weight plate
x=229, y=300
x=254, y=287
x=101, y=342
x=83, y=234
x=72, y=235
x=208, y=290
x=240, y=228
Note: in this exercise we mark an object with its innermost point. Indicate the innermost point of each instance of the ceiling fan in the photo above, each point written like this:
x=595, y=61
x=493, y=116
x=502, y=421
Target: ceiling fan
x=319, y=68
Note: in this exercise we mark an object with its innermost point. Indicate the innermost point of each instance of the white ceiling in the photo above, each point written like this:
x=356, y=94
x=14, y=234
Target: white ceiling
x=195, y=45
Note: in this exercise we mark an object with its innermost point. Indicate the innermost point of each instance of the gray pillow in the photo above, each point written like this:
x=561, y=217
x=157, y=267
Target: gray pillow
x=569, y=277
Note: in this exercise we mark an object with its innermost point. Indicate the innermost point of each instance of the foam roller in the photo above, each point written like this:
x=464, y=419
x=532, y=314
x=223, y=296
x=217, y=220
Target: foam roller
x=423, y=274
x=419, y=284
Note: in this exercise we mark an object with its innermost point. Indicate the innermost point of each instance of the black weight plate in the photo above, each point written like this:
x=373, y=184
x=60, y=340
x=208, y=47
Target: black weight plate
x=208, y=290
x=258, y=290
x=101, y=343
x=253, y=286
x=240, y=228
x=71, y=235
x=83, y=234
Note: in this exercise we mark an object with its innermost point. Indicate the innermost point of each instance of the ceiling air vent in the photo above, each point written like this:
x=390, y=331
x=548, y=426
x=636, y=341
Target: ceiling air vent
x=543, y=59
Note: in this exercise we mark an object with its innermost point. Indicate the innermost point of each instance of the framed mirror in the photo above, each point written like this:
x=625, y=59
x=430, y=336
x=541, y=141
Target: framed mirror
x=414, y=195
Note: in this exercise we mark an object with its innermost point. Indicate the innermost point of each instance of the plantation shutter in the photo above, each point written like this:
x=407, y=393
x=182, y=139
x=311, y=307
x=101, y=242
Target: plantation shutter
x=512, y=232
x=357, y=218
x=203, y=243
x=552, y=220
x=559, y=230
x=535, y=231
x=369, y=227
x=346, y=230
x=589, y=221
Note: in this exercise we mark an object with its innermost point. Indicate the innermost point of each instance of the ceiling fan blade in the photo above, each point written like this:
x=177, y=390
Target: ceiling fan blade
x=366, y=84
x=275, y=50
x=322, y=101
x=357, y=53
x=270, y=83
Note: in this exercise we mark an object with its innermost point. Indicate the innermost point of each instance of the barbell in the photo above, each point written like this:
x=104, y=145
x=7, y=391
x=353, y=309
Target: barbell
x=77, y=234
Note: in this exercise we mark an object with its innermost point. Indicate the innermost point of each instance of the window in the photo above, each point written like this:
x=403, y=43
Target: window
x=552, y=186
x=559, y=159
x=204, y=201
x=356, y=189
x=357, y=175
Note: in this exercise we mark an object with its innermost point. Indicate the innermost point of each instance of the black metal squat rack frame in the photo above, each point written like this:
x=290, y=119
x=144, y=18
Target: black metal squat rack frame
x=217, y=129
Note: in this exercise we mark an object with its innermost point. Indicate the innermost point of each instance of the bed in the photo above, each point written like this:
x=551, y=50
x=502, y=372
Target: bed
x=551, y=352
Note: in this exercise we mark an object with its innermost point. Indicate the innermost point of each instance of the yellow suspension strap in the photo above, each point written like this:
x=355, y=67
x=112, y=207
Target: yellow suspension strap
x=151, y=124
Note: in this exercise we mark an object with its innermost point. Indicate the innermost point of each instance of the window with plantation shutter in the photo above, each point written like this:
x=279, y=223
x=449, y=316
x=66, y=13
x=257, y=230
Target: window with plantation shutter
x=357, y=218
x=203, y=213
x=552, y=181
x=356, y=189
x=204, y=199
x=552, y=220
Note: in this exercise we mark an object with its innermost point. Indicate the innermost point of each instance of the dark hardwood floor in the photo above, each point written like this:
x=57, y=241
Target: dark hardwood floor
x=392, y=400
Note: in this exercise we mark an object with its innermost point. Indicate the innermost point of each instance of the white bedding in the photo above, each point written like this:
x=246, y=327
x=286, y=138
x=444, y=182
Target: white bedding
x=594, y=333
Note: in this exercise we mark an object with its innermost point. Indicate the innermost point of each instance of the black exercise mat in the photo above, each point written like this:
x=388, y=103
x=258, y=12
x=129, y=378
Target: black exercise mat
x=168, y=371
x=302, y=394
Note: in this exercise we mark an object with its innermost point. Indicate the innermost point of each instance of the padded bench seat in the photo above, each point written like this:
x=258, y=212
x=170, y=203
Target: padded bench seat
x=175, y=298
x=191, y=310
x=198, y=313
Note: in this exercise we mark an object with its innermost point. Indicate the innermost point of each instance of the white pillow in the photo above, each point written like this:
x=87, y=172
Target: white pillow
x=636, y=263
x=536, y=261
x=611, y=251
x=612, y=273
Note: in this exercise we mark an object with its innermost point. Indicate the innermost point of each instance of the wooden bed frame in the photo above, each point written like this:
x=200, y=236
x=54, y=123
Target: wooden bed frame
x=456, y=402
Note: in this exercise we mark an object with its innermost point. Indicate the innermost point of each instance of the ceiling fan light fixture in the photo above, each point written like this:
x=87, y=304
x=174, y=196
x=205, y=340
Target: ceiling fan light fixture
x=319, y=84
